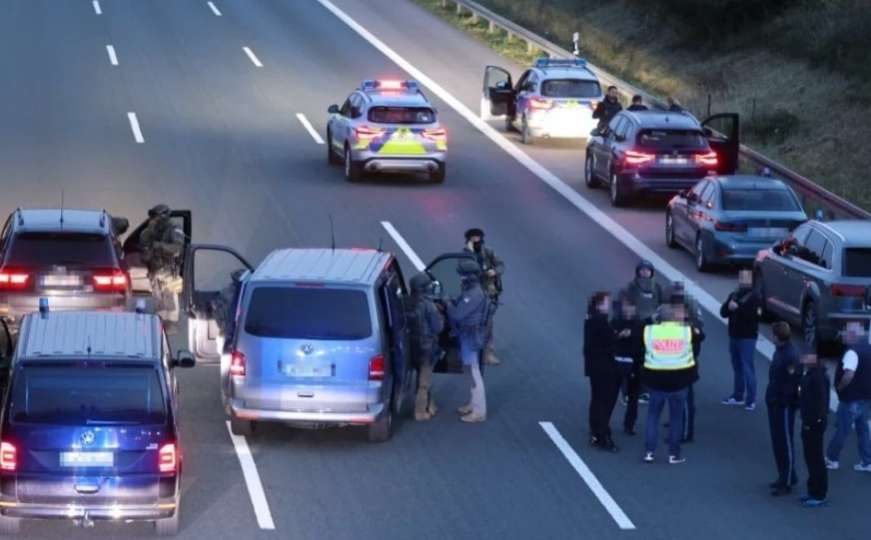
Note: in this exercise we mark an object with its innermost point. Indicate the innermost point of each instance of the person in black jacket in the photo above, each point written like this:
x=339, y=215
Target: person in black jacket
x=813, y=402
x=742, y=308
x=781, y=397
x=608, y=108
x=629, y=354
x=601, y=368
x=637, y=104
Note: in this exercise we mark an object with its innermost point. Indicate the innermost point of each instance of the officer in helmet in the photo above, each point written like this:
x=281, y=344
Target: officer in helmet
x=426, y=324
x=492, y=269
x=159, y=242
x=468, y=314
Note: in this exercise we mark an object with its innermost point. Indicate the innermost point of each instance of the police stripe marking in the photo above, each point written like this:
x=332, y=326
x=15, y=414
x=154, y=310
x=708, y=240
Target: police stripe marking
x=308, y=127
x=587, y=475
x=252, y=481
x=252, y=57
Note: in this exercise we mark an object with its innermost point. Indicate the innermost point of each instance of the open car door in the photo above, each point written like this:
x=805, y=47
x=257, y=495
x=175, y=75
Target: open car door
x=443, y=270
x=207, y=274
x=181, y=220
x=498, y=93
x=723, y=133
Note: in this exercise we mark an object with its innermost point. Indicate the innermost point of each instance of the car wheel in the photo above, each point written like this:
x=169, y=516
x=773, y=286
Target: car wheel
x=243, y=428
x=332, y=158
x=168, y=526
x=702, y=263
x=617, y=196
x=438, y=176
x=9, y=526
x=525, y=135
x=669, y=231
x=809, y=325
x=381, y=430
x=589, y=175
x=353, y=170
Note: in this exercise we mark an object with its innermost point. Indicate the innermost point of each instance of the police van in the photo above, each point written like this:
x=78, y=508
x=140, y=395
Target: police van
x=387, y=126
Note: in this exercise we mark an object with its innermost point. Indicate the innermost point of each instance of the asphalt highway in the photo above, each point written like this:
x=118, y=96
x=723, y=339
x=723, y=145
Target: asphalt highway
x=196, y=104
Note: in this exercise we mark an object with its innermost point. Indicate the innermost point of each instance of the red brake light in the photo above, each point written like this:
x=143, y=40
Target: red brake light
x=376, y=368
x=708, y=159
x=114, y=281
x=13, y=279
x=540, y=104
x=366, y=132
x=436, y=134
x=637, y=158
x=8, y=456
x=730, y=227
x=167, y=460
x=238, y=364
x=839, y=289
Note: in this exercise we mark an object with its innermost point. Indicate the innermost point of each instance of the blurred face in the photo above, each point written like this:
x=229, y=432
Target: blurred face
x=604, y=307
x=808, y=359
x=636, y=101
x=612, y=93
x=629, y=310
x=679, y=312
x=853, y=332
x=745, y=278
x=645, y=273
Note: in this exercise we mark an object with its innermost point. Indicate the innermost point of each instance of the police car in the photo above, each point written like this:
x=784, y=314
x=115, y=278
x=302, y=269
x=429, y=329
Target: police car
x=386, y=126
x=555, y=98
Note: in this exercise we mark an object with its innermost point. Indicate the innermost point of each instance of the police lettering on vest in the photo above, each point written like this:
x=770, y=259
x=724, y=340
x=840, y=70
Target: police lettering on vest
x=668, y=346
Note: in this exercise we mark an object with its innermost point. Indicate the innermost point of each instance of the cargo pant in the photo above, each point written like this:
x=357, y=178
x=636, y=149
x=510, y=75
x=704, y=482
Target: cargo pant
x=424, y=405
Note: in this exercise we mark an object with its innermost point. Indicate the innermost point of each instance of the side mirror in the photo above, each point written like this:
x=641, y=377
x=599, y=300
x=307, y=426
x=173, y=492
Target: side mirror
x=596, y=132
x=184, y=359
x=333, y=109
x=120, y=225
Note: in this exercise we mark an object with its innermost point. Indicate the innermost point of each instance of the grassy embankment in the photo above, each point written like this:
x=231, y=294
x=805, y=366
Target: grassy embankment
x=796, y=70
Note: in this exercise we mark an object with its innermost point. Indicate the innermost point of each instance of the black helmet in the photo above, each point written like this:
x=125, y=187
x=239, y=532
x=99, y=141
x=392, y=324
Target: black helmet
x=474, y=232
x=420, y=282
x=644, y=263
x=468, y=267
x=161, y=211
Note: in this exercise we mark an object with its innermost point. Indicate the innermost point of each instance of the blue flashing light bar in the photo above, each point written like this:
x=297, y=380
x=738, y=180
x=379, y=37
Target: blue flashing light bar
x=396, y=85
x=560, y=62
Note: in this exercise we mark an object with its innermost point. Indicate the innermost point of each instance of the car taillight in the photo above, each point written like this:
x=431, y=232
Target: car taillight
x=708, y=159
x=637, y=158
x=167, y=459
x=730, y=227
x=238, y=364
x=540, y=104
x=840, y=289
x=376, y=368
x=436, y=134
x=8, y=456
x=13, y=279
x=366, y=132
x=111, y=281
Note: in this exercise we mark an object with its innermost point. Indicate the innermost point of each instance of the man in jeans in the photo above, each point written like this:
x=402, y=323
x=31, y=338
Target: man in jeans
x=743, y=309
x=669, y=371
x=853, y=383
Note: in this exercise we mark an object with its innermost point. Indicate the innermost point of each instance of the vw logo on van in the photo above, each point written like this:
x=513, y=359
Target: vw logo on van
x=307, y=349
x=88, y=438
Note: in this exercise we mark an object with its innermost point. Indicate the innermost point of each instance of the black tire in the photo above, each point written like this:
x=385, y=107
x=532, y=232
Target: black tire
x=669, y=231
x=438, y=176
x=615, y=191
x=9, y=526
x=381, y=430
x=332, y=158
x=525, y=135
x=167, y=526
x=353, y=169
x=590, y=178
x=809, y=325
x=702, y=263
x=243, y=428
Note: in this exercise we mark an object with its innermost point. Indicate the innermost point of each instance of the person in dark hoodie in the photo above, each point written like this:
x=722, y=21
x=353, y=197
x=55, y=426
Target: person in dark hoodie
x=781, y=397
x=644, y=292
x=608, y=108
x=743, y=309
x=629, y=354
x=813, y=402
x=601, y=368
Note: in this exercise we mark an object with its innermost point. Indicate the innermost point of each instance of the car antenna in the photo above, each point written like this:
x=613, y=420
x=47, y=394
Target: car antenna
x=61, y=209
x=332, y=234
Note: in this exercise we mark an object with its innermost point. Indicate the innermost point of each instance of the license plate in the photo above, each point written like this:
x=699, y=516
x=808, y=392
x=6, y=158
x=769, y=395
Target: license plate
x=767, y=232
x=670, y=160
x=87, y=459
x=62, y=281
x=308, y=370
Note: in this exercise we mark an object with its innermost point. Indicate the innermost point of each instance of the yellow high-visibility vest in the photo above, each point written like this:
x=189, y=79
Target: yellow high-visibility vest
x=668, y=346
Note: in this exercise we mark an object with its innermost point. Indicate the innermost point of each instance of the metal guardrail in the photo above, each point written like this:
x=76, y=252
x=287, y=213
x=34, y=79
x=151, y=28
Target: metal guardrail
x=813, y=195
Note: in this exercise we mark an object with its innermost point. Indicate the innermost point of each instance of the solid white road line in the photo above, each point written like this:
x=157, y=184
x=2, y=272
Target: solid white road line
x=134, y=126
x=252, y=481
x=587, y=475
x=308, y=126
x=214, y=9
x=97, y=9
x=251, y=55
x=113, y=58
x=605, y=221
x=403, y=245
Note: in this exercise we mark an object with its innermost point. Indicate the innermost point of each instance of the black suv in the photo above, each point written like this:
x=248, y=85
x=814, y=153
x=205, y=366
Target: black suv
x=659, y=152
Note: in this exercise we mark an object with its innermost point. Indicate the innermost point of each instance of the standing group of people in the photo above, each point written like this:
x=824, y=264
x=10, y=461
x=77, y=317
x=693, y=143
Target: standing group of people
x=608, y=108
x=469, y=319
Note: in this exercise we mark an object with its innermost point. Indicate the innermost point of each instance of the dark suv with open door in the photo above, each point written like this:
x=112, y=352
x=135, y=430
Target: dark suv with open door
x=659, y=152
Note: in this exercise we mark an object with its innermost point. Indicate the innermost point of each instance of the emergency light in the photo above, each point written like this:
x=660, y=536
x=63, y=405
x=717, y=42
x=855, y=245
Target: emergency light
x=371, y=85
x=560, y=62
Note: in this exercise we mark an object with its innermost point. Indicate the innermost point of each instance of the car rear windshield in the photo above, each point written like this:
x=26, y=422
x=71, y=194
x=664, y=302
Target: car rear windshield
x=570, y=88
x=857, y=262
x=308, y=313
x=401, y=115
x=669, y=139
x=767, y=200
x=74, y=249
x=87, y=395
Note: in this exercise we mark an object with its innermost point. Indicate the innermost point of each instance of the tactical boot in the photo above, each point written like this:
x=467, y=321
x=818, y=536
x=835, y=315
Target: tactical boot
x=472, y=418
x=490, y=359
x=422, y=416
x=464, y=410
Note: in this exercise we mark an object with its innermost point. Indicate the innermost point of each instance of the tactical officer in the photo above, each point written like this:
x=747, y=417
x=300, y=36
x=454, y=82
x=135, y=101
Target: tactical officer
x=492, y=269
x=160, y=245
x=781, y=397
x=427, y=323
x=644, y=292
x=468, y=315
x=813, y=402
x=853, y=383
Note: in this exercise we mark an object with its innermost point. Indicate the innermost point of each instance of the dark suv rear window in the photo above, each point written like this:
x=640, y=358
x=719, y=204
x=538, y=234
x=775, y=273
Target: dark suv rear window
x=772, y=200
x=857, y=262
x=668, y=139
x=401, y=115
x=74, y=249
x=308, y=313
x=570, y=88
x=83, y=395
